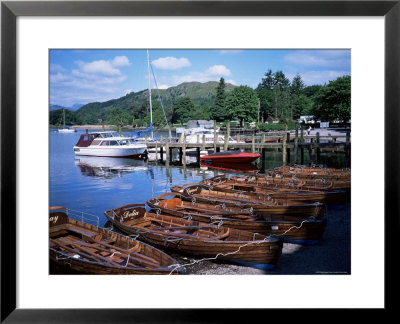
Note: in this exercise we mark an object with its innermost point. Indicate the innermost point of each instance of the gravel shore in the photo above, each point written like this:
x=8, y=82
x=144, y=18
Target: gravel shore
x=331, y=255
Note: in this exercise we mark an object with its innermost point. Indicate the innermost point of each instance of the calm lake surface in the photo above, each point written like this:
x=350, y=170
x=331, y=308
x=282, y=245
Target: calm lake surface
x=95, y=184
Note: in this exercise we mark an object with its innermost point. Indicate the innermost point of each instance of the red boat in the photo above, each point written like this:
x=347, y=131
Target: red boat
x=230, y=157
x=235, y=167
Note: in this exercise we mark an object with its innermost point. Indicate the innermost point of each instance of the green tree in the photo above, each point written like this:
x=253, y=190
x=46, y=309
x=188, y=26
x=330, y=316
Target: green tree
x=302, y=105
x=296, y=89
x=297, y=85
x=182, y=110
x=206, y=112
x=158, y=115
x=56, y=117
x=242, y=104
x=333, y=101
x=266, y=102
x=218, y=111
x=119, y=117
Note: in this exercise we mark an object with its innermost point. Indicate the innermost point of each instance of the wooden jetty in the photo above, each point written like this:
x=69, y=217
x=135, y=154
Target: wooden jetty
x=261, y=143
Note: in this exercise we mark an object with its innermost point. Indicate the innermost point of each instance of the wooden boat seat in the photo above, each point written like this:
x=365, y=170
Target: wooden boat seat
x=142, y=223
x=84, y=233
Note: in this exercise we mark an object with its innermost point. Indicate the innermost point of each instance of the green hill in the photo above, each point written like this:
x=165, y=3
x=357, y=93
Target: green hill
x=136, y=103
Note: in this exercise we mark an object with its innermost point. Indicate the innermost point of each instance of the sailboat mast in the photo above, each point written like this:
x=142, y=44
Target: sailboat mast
x=151, y=108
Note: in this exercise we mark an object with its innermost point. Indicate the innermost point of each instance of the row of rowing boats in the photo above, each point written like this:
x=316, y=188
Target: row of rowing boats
x=238, y=219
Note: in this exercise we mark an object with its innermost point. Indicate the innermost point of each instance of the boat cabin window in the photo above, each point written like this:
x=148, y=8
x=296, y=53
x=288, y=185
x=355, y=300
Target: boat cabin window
x=106, y=135
x=96, y=142
x=109, y=143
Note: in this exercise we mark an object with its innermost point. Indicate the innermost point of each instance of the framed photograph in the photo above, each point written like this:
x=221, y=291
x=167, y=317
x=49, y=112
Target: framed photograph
x=86, y=45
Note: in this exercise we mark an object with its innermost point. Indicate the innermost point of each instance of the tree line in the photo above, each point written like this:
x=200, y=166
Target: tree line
x=275, y=98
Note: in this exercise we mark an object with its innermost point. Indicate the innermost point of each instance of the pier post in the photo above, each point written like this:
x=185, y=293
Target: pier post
x=215, y=136
x=203, y=146
x=238, y=137
x=302, y=147
x=318, y=150
x=184, y=151
x=167, y=152
x=198, y=138
x=284, y=149
x=156, y=151
x=253, y=144
x=226, y=142
x=288, y=148
x=296, y=140
x=145, y=139
x=347, y=149
x=180, y=155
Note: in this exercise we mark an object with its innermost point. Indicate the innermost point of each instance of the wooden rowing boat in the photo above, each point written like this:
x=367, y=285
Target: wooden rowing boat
x=329, y=197
x=261, y=203
x=216, y=210
x=87, y=249
x=317, y=183
x=313, y=173
x=290, y=228
x=197, y=238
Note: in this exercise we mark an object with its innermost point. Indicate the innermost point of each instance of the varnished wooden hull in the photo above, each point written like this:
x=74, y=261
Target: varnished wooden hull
x=223, y=243
x=305, y=231
x=87, y=249
x=260, y=203
x=331, y=197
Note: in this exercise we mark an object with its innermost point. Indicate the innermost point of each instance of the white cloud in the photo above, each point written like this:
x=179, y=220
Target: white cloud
x=120, y=61
x=171, y=63
x=163, y=86
x=320, y=77
x=54, y=68
x=218, y=70
x=231, y=81
x=99, y=67
x=91, y=81
x=213, y=73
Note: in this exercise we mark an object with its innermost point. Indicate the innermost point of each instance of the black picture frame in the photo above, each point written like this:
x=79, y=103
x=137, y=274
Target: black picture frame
x=10, y=10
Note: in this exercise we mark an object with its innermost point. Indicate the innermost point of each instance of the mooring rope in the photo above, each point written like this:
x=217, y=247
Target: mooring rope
x=177, y=266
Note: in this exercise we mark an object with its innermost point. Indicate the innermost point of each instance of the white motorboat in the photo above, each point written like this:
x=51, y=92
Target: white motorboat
x=108, y=145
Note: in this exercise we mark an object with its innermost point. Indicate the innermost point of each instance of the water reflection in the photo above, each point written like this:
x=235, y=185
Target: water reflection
x=105, y=167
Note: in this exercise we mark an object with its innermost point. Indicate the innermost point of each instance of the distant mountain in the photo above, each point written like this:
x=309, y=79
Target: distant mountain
x=73, y=108
x=199, y=93
x=55, y=107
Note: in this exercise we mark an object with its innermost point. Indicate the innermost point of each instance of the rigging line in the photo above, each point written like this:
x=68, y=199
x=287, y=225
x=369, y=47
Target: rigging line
x=159, y=96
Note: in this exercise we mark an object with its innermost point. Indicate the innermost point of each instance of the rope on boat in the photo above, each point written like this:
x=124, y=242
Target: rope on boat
x=177, y=266
x=67, y=256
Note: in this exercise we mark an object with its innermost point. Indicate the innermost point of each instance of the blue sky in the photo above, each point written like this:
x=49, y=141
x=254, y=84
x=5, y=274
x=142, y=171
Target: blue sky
x=83, y=76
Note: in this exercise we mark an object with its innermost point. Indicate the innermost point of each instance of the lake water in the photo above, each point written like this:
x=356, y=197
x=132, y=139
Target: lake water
x=94, y=184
